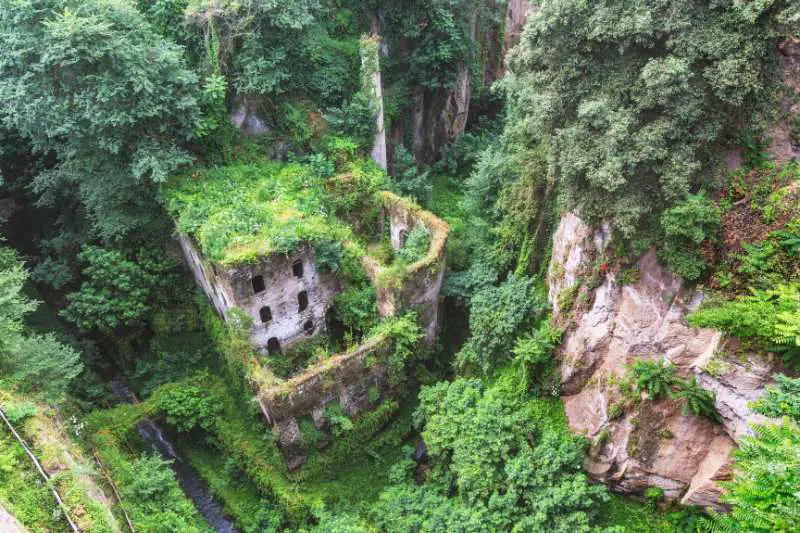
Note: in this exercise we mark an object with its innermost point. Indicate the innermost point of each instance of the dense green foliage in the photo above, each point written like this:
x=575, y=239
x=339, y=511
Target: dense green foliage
x=770, y=317
x=634, y=97
x=416, y=246
x=23, y=493
x=659, y=379
x=506, y=459
x=686, y=226
x=30, y=363
x=243, y=212
x=152, y=496
x=763, y=493
x=781, y=400
x=496, y=315
x=117, y=128
x=92, y=83
x=120, y=291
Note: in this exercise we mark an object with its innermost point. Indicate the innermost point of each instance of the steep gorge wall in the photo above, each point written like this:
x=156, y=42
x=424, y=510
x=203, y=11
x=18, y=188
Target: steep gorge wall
x=608, y=325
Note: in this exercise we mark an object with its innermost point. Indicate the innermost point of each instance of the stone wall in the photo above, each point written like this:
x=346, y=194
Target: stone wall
x=419, y=284
x=286, y=323
x=216, y=287
x=608, y=326
x=346, y=379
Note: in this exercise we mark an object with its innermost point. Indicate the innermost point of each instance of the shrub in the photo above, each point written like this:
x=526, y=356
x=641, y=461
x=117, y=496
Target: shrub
x=780, y=400
x=187, y=406
x=408, y=180
x=357, y=307
x=500, y=461
x=657, y=378
x=771, y=317
x=355, y=120
x=685, y=227
x=533, y=356
x=763, y=492
x=328, y=253
x=653, y=495
x=416, y=247
x=496, y=314
x=340, y=422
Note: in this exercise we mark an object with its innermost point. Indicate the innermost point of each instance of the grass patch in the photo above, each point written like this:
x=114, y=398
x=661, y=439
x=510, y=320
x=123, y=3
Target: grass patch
x=240, y=498
x=637, y=517
x=22, y=490
x=240, y=213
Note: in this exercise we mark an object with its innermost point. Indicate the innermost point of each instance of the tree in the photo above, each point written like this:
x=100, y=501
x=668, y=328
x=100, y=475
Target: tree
x=634, y=97
x=92, y=83
x=496, y=314
x=119, y=290
x=29, y=363
x=498, y=462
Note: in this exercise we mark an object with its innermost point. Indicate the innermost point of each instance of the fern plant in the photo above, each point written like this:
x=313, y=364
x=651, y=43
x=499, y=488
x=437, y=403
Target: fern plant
x=657, y=378
x=771, y=317
x=698, y=400
x=763, y=492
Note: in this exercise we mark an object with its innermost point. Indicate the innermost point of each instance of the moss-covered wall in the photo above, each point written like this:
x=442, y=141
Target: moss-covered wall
x=417, y=285
x=357, y=381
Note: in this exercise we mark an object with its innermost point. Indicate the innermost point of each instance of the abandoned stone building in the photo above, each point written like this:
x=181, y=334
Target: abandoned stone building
x=287, y=296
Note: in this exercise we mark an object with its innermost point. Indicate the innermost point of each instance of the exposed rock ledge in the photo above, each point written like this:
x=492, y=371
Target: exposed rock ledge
x=611, y=325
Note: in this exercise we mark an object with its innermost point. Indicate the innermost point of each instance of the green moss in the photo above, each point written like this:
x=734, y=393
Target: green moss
x=567, y=297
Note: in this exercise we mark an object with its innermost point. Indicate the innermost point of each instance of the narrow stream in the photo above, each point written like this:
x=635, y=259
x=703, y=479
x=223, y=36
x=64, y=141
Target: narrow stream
x=189, y=480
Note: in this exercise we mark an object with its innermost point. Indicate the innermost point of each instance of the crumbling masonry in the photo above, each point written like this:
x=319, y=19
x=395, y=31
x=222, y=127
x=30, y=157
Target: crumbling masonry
x=287, y=298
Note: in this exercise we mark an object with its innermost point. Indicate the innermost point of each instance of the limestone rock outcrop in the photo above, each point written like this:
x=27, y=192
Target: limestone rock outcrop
x=608, y=324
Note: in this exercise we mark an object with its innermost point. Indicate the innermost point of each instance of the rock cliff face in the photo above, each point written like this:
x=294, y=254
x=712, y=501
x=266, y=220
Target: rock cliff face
x=608, y=325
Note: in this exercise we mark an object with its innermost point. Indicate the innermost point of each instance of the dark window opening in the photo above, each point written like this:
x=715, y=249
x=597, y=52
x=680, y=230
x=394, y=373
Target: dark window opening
x=302, y=301
x=297, y=269
x=308, y=327
x=265, y=313
x=403, y=237
x=258, y=284
x=273, y=346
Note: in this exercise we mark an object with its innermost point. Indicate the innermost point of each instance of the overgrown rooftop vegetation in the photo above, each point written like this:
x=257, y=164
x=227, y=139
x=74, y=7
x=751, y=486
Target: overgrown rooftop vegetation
x=239, y=213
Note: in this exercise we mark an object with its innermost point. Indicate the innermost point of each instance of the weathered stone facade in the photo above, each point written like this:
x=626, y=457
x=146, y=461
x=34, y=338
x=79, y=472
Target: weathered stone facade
x=421, y=281
x=285, y=295
x=346, y=379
